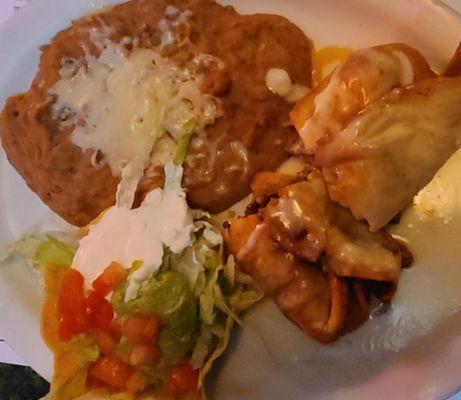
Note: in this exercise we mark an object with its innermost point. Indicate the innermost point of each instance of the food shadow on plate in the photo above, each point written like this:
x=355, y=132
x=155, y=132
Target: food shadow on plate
x=271, y=358
x=320, y=373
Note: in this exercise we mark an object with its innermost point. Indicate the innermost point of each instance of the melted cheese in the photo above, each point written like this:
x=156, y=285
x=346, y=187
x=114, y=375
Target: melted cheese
x=125, y=236
x=372, y=72
x=326, y=59
x=122, y=104
x=174, y=18
x=292, y=166
x=251, y=242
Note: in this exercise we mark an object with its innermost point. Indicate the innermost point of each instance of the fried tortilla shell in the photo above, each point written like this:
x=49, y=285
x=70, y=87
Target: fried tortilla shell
x=392, y=149
x=454, y=65
x=267, y=183
x=69, y=380
x=71, y=366
x=353, y=251
x=313, y=300
x=298, y=219
x=319, y=264
x=364, y=77
x=305, y=222
x=359, y=306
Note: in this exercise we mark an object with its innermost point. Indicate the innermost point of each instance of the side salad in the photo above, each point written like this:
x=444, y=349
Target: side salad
x=136, y=331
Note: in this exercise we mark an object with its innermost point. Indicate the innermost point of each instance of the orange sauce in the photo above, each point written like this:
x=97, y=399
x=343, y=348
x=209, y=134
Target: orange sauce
x=326, y=59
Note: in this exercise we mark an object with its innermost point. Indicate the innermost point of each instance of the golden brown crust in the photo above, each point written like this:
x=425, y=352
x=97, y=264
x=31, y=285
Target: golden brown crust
x=267, y=183
x=453, y=67
x=313, y=258
x=300, y=289
x=376, y=182
x=304, y=108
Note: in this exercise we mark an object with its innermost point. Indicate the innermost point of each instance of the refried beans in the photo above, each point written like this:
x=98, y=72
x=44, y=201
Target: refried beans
x=251, y=135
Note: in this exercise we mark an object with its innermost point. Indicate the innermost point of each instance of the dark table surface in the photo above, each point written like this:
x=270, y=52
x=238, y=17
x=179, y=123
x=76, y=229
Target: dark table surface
x=21, y=383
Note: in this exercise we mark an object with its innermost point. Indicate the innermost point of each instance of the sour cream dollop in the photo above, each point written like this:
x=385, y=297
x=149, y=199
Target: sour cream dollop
x=279, y=82
x=127, y=235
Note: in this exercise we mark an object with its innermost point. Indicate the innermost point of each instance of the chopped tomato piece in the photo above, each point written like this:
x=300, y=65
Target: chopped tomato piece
x=71, y=305
x=93, y=383
x=71, y=325
x=109, y=279
x=66, y=329
x=71, y=296
x=181, y=380
x=138, y=382
x=115, y=330
x=100, y=311
x=110, y=370
x=143, y=354
x=105, y=341
x=142, y=329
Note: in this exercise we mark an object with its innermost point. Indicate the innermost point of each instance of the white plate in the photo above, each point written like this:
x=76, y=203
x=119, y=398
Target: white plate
x=269, y=359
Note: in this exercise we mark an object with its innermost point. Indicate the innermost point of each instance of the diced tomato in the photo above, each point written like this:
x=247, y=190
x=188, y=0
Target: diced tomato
x=109, y=279
x=115, y=330
x=141, y=329
x=71, y=296
x=105, y=341
x=110, y=370
x=143, y=354
x=100, y=312
x=71, y=305
x=71, y=325
x=181, y=380
x=66, y=330
x=138, y=382
x=93, y=383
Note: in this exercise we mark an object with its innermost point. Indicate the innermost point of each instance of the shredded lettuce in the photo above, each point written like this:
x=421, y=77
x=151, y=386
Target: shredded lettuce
x=173, y=178
x=25, y=246
x=38, y=249
x=210, y=233
x=229, y=270
x=207, y=304
x=222, y=290
x=242, y=299
x=202, y=347
x=223, y=293
x=221, y=304
x=199, y=215
x=218, y=350
x=183, y=148
x=53, y=251
x=197, y=296
x=207, y=256
x=181, y=120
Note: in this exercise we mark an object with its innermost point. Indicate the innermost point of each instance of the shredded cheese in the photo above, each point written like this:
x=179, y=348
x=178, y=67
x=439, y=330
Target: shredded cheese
x=122, y=104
